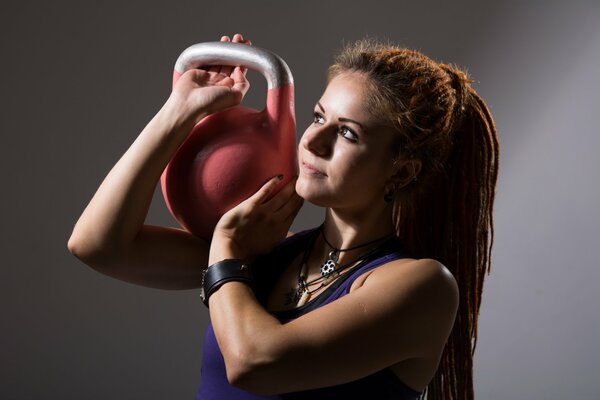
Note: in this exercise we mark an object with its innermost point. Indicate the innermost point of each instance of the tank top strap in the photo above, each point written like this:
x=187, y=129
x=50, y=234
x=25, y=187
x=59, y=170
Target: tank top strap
x=393, y=250
x=346, y=284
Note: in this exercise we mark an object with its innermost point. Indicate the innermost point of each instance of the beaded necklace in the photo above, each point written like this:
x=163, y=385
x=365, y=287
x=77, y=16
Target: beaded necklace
x=329, y=270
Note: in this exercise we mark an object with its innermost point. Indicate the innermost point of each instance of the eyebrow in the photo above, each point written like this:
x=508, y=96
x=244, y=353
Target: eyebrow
x=342, y=119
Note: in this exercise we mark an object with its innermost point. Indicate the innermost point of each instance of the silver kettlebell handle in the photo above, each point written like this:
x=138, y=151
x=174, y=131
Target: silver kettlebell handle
x=270, y=65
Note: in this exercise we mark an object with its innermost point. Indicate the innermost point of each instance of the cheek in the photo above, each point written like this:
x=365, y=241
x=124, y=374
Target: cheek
x=366, y=176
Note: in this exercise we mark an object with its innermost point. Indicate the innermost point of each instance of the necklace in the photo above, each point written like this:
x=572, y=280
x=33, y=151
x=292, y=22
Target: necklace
x=331, y=264
x=329, y=270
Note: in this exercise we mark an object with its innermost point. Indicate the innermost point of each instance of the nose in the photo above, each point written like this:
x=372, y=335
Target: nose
x=317, y=140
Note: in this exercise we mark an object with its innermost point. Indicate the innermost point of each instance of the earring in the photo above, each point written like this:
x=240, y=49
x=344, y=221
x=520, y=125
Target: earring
x=389, y=195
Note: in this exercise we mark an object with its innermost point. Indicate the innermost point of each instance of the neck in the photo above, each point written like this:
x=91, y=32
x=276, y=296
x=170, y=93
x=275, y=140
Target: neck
x=345, y=229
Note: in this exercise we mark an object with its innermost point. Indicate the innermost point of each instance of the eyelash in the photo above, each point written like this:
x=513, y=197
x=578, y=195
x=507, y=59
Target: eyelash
x=316, y=116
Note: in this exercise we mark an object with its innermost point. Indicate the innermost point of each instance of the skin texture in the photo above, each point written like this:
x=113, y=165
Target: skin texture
x=356, y=160
x=345, y=167
x=110, y=235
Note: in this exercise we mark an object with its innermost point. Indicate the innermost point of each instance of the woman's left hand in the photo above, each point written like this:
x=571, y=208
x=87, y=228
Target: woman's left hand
x=254, y=226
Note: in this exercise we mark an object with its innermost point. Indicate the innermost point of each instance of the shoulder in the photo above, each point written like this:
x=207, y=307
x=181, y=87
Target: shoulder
x=416, y=274
x=426, y=273
x=425, y=288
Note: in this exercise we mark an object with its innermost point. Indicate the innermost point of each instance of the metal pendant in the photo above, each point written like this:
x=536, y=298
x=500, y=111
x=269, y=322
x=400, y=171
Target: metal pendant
x=330, y=265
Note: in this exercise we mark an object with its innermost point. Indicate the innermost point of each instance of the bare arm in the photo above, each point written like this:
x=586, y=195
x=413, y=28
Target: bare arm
x=110, y=235
x=352, y=337
x=403, y=310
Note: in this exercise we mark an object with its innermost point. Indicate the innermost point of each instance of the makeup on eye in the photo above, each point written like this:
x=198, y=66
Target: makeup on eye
x=345, y=131
x=354, y=136
x=341, y=119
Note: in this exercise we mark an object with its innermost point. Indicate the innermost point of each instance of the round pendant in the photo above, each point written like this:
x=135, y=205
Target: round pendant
x=328, y=267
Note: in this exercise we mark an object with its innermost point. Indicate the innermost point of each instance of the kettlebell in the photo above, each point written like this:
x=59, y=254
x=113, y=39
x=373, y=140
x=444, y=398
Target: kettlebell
x=230, y=154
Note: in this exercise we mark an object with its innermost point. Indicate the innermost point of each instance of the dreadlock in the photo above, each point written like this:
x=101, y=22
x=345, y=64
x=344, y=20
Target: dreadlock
x=447, y=214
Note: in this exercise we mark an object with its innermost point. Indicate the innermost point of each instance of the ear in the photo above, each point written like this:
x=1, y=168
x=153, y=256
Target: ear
x=405, y=172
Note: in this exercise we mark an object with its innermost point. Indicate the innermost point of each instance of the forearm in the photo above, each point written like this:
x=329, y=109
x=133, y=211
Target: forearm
x=246, y=333
x=119, y=207
x=254, y=344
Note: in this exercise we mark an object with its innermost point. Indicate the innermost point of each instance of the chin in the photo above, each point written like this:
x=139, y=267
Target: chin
x=310, y=193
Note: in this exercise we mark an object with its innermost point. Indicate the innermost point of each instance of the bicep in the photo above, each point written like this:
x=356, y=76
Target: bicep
x=393, y=317
x=159, y=257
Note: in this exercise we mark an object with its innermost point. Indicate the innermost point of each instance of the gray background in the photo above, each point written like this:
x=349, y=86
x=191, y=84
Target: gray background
x=80, y=80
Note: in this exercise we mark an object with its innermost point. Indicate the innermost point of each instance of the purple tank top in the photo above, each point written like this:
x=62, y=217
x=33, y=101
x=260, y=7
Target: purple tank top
x=381, y=385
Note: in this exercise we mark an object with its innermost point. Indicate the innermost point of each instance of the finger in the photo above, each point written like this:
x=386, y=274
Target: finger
x=265, y=191
x=240, y=83
x=280, y=199
x=249, y=43
x=292, y=205
x=222, y=80
x=294, y=209
x=227, y=70
x=291, y=198
x=218, y=68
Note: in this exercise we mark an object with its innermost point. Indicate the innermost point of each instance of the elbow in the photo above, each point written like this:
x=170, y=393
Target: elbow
x=80, y=249
x=239, y=376
x=93, y=255
x=74, y=246
x=249, y=380
x=251, y=371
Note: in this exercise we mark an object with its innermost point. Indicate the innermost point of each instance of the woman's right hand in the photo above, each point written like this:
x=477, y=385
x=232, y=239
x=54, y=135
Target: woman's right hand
x=199, y=92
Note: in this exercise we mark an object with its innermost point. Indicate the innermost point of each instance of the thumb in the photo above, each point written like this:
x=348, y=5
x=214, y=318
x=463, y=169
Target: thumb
x=240, y=83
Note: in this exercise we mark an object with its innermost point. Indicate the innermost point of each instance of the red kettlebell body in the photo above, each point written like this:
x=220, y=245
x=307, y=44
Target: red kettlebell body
x=229, y=155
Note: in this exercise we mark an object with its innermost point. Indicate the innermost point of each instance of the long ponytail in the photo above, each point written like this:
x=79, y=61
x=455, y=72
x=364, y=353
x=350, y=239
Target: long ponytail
x=453, y=222
x=448, y=214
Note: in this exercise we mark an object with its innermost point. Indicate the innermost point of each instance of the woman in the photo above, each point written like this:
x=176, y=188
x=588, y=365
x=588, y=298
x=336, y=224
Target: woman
x=382, y=299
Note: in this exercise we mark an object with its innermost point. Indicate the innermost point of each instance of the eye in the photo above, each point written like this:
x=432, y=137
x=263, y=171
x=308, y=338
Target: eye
x=318, y=118
x=345, y=132
x=348, y=134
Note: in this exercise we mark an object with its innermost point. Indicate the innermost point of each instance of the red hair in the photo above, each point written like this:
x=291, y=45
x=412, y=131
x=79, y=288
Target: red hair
x=447, y=214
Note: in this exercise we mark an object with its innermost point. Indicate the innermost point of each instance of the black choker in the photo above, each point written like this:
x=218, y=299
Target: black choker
x=330, y=269
x=331, y=264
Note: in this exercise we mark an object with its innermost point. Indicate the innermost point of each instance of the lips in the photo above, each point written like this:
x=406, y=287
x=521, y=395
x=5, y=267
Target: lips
x=312, y=170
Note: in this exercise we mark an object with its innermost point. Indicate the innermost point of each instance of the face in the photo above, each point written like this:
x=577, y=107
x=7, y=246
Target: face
x=345, y=157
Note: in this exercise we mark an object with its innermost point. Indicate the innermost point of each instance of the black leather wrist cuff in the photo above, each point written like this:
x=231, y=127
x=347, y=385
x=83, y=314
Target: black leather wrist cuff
x=222, y=272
